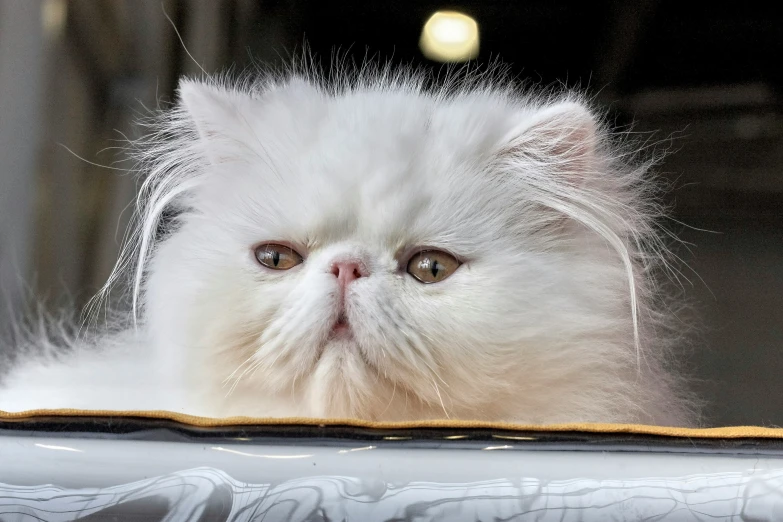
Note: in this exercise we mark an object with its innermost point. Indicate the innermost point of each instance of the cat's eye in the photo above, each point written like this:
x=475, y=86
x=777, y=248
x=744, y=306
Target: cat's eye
x=277, y=257
x=432, y=266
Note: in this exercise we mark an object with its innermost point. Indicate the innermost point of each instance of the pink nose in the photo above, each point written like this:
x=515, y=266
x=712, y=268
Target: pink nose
x=348, y=271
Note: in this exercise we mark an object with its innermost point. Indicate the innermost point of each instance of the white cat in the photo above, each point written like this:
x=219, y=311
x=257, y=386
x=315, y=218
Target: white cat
x=379, y=249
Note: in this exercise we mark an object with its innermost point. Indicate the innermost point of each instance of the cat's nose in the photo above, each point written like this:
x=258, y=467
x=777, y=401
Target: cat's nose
x=348, y=271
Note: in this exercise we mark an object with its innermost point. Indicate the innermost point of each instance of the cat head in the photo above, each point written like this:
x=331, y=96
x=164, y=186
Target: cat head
x=383, y=250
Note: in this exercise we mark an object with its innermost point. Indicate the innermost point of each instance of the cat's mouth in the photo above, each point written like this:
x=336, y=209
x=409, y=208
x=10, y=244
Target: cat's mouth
x=341, y=327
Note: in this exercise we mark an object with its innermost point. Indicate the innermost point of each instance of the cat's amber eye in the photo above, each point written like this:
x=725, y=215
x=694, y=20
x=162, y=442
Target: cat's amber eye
x=277, y=257
x=432, y=266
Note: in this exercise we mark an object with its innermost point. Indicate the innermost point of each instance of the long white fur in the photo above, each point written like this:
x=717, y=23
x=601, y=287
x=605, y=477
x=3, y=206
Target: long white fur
x=555, y=315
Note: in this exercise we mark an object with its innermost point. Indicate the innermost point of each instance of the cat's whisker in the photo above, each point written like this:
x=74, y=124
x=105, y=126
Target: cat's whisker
x=293, y=384
x=414, y=342
x=397, y=329
x=248, y=371
x=231, y=375
x=443, y=406
x=235, y=384
x=391, y=399
x=425, y=356
x=251, y=370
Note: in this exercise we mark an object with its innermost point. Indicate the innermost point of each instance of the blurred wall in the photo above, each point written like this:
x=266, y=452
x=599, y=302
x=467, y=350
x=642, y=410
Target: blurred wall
x=21, y=70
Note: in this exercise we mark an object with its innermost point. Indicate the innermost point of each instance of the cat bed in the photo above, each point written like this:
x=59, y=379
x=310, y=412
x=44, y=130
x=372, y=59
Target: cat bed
x=143, y=465
x=729, y=432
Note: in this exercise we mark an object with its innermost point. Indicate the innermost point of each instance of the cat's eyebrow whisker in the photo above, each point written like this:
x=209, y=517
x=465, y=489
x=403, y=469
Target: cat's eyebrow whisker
x=92, y=162
x=181, y=41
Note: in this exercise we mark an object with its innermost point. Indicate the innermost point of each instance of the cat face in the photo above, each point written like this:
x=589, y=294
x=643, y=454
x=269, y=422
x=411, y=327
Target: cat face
x=378, y=254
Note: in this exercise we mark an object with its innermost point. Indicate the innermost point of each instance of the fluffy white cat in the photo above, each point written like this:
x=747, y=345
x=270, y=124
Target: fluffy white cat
x=376, y=248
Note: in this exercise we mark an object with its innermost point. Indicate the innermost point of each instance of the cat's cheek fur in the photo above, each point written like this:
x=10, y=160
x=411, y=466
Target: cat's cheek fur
x=204, y=313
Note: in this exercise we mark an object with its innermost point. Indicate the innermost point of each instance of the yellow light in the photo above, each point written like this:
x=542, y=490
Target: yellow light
x=449, y=36
x=53, y=16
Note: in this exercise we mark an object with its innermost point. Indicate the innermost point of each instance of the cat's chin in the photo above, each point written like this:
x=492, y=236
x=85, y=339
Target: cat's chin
x=342, y=351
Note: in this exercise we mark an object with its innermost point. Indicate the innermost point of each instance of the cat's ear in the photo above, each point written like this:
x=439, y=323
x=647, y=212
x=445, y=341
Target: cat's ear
x=561, y=137
x=221, y=116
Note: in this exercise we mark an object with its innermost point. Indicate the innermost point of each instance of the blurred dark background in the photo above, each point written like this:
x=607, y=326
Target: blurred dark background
x=707, y=80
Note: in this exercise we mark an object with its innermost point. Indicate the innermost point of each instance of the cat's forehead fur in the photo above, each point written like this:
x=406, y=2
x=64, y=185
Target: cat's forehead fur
x=394, y=166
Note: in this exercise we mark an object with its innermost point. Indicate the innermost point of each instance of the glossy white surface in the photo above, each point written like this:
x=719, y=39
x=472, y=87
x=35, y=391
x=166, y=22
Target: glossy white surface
x=69, y=477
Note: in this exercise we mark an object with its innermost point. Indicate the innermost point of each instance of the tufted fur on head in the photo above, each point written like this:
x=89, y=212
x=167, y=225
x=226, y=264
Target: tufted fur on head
x=553, y=315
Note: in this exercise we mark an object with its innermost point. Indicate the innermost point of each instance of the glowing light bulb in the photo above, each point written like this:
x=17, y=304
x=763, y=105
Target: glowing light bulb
x=54, y=13
x=449, y=36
